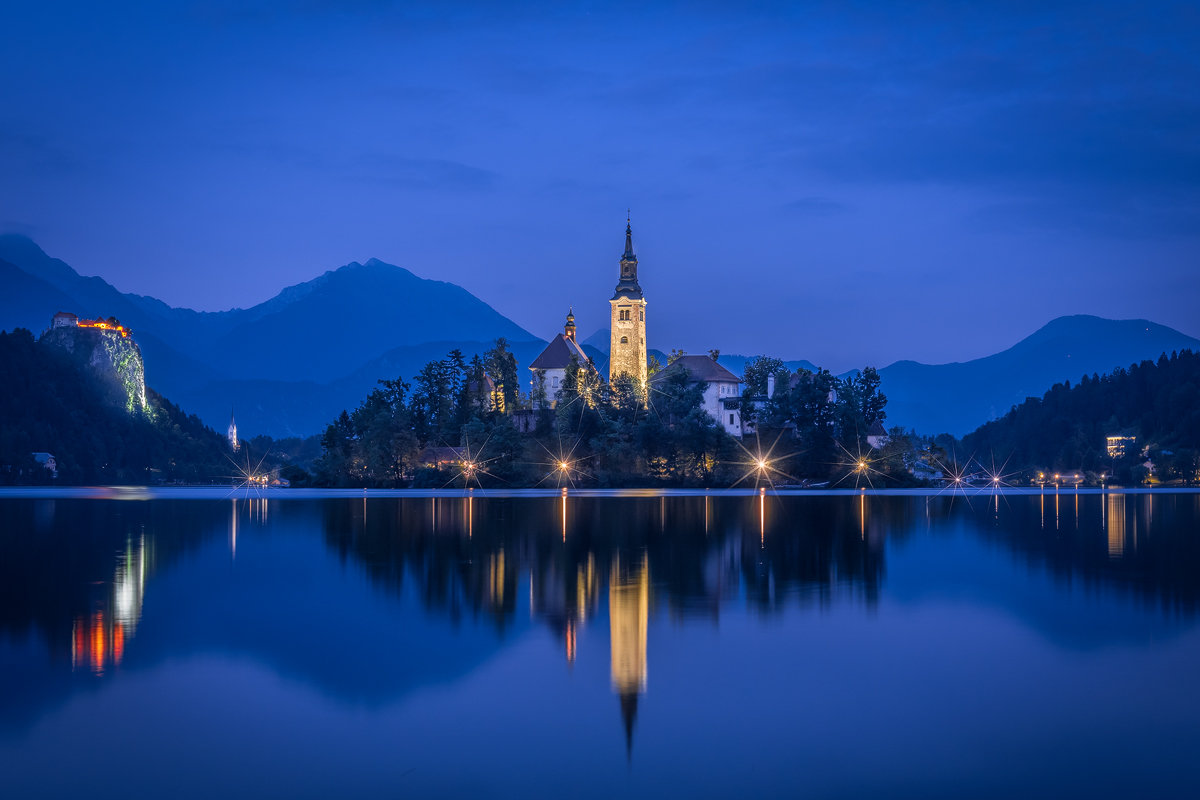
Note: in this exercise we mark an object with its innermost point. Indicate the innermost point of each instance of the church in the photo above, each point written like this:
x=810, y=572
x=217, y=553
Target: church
x=627, y=345
x=627, y=349
x=628, y=353
x=553, y=362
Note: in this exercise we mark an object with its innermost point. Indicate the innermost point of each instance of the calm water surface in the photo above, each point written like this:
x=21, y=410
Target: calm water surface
x=598, y=647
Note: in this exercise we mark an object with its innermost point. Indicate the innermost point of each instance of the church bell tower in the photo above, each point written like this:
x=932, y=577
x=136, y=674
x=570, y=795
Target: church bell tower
x=627, y=350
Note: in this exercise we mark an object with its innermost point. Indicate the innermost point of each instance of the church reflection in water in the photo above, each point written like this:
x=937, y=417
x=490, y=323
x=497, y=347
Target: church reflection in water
x=628, y=623
x=688, y=556
x=573, y=563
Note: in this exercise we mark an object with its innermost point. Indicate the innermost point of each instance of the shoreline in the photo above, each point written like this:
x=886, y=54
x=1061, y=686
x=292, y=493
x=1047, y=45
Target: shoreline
x=238, y=492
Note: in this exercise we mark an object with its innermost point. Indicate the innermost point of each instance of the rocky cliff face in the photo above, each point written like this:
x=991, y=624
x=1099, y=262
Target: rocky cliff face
x=115, y=360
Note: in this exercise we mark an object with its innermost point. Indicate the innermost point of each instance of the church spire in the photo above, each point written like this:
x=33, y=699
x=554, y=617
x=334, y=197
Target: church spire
x=628, y=286
x=233, y=437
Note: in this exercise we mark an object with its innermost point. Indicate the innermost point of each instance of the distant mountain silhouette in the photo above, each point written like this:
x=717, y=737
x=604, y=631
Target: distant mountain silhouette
x=301, y=408
x=601, y=340
x=360, y=311
x=289, y=363
x=957, y=398
x=737, y=364
x=25, y=297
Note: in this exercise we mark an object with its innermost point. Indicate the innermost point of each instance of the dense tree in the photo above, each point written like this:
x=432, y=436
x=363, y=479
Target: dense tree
x=1157, y=403
x=756, y=371
x=501, y=366
x=611, y=434
x=49, y=403
x=860, y=404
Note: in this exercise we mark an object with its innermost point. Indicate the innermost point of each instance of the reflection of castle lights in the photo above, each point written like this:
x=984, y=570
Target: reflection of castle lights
x=571, y=641
x=98, y=641
x=128, y=584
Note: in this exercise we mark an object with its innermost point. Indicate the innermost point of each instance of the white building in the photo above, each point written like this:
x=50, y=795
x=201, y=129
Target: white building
x=233, y=437
x=555, y=359
x=48, y=461
x=723, y=389
x=64, y=319
x=878, y=436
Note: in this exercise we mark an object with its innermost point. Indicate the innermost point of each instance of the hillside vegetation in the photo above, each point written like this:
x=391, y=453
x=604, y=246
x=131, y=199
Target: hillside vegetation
x=1066, y=429
x=51, y=403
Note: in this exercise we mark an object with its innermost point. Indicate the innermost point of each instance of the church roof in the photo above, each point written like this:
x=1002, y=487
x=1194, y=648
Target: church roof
x=877, y=429
x=702, y=368
x=557, y=354
x=628, y=288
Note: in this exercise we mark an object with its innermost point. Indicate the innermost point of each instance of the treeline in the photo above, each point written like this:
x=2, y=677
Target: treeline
x=1067, y=429
x=599, y=434
x=50, y=404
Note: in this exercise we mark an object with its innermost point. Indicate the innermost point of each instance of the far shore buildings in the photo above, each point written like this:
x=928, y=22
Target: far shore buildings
x=233, y=437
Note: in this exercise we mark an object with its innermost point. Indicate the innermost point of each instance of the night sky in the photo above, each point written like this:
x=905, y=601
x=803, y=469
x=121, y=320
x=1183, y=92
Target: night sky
x=846, y=183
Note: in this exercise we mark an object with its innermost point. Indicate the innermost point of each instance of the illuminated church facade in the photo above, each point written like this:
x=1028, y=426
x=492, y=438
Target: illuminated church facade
x=627, y=353
x=627, y=346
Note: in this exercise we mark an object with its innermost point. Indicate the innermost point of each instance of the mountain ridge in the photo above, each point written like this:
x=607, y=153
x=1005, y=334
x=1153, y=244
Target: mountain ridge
x=970, y=393
x=332, y=330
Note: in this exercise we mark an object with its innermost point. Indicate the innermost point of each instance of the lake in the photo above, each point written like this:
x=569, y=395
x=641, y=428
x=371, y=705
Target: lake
x=167, y=644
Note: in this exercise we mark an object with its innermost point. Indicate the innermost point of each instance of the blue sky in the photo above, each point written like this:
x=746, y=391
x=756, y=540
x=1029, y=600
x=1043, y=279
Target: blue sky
x=848, y=183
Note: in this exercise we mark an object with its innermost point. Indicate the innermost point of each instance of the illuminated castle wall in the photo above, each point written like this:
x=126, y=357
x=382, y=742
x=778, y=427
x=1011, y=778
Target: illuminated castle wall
x=627, y=351
x=105, y=347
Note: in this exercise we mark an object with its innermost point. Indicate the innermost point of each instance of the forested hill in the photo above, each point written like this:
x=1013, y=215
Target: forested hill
x=1159, y=403
x=51, y=403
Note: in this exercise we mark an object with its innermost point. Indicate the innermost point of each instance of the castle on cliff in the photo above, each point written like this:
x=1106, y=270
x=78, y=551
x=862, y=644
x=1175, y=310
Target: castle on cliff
x=106, y=348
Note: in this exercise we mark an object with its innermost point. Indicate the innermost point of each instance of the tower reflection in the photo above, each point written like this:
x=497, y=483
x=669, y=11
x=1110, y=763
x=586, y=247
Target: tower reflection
x=628, y=620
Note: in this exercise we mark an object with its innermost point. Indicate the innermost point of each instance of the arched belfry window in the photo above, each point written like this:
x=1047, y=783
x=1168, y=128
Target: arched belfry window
x=624, y=340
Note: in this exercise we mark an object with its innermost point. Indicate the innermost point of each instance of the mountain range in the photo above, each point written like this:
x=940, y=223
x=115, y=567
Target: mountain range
x=957, y=398
x=286, y=366
x=289, y=365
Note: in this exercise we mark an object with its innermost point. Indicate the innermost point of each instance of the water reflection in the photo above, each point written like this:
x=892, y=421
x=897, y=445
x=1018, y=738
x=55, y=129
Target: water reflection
x=81, y=574
x=1114, y=521
x=628, y=623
